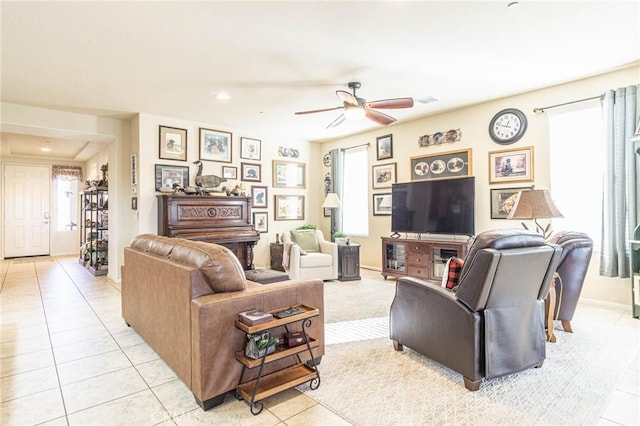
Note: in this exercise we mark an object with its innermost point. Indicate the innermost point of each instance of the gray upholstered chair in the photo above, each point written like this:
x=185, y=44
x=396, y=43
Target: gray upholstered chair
x=572, y=269
x=493, y=325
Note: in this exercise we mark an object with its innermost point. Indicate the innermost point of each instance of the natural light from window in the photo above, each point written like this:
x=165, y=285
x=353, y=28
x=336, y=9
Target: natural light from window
x=355, y=203
x=67, y=205
x=576, y=160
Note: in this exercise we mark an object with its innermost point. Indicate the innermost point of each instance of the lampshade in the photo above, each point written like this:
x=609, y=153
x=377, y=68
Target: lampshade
x=332, y=201
x=534, y=204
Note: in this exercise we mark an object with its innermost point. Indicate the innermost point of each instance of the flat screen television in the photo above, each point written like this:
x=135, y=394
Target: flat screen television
x=445, y=206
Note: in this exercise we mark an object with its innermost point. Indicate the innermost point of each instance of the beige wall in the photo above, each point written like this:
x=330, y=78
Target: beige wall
x=140, y=136
x=148, y=157
x=474, y=122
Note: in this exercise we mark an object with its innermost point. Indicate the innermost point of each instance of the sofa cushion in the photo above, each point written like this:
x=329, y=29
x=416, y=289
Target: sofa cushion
x=307, y=239
x=313, y=260
x=154, y=244
x=220, y=267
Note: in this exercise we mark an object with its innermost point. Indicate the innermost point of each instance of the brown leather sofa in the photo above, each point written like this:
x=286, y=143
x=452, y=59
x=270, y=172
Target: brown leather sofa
x=493, y=324
x=182, y=297
x=577, y=248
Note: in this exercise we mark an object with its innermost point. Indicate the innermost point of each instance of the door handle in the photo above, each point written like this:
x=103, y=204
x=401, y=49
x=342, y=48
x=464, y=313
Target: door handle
x=46, y=215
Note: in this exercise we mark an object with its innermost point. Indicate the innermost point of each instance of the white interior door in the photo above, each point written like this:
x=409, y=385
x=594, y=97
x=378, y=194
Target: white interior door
x=26, y=210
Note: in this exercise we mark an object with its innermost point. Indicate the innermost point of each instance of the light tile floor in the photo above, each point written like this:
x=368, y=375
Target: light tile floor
x=67, y=358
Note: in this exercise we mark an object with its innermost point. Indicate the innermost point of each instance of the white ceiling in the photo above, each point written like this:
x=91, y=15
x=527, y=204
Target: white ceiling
x=274, y=58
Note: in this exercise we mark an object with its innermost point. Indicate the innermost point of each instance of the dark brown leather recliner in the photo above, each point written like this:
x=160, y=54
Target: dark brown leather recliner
x=493, y=324
x=572, y=269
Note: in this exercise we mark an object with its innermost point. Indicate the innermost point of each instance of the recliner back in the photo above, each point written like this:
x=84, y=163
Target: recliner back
x=577, y=248
x=495, y=270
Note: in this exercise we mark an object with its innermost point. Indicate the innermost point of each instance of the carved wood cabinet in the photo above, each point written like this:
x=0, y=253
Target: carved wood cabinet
x=213, y=219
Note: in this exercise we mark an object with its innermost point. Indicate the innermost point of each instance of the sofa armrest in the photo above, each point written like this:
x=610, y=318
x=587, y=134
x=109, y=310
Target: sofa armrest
x=215, y=339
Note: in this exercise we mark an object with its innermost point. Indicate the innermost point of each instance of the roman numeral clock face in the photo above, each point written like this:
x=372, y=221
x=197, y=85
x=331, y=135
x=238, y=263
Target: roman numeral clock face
x=507, y=126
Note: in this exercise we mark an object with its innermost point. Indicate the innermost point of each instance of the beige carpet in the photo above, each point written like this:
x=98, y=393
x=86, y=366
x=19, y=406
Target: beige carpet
x=369, y=383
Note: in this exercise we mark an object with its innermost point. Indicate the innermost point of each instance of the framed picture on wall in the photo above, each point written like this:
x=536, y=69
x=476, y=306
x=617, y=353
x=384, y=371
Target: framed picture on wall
x=250, y=149
x=259, y=196
x=250, y=172
x=261, y=221
x=503, y=200
x=173, y=143
x=229, y=172
x=134, y=169
x=288, y=174
x=215, y=145
x=511, y=165
x=382, y=204
x=384, y=175
x=167, y=176
x=384, y=146
x=289, y=207
x=441, y=165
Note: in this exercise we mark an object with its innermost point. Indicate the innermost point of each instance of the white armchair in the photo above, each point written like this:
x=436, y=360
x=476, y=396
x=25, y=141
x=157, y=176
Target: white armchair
x=308, y=255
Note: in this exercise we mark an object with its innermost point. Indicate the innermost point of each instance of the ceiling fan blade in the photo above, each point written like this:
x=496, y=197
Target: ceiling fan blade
x=337, y=121
x=347, y=97
x=391, y=103
x=319, y=110
x=379, y=117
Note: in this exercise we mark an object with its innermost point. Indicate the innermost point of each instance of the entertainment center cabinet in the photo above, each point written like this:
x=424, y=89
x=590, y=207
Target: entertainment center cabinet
x=419, y=258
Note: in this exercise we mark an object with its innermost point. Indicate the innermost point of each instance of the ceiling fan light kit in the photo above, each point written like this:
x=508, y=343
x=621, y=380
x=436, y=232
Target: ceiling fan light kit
x=355, y=108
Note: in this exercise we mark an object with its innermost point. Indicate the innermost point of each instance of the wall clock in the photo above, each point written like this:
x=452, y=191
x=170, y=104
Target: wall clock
x=508, y=126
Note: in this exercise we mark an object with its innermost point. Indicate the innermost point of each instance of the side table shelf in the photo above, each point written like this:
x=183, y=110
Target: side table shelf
x=264, y=386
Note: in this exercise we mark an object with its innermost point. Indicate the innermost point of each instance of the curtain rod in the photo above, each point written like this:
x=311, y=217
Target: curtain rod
x=538, y=110
x=368, y=144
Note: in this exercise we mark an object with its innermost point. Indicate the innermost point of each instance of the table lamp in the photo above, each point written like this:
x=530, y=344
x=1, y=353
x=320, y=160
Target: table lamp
x=332, y=201
x=535, y=204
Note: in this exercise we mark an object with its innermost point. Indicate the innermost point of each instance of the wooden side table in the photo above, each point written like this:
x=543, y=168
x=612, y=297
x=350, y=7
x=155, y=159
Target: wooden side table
x=348, y=262
x=276, y=252
x=549, y=308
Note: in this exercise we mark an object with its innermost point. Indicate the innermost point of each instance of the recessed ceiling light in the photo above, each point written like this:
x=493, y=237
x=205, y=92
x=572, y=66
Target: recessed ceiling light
x=222, y=96
x=45, y=149
x=513, y=5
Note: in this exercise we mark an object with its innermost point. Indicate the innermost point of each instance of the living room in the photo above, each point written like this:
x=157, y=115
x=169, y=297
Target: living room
x=139, y=132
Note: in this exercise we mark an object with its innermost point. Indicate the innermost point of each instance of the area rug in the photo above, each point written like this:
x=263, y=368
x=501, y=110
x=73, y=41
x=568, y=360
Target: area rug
x=369, y=383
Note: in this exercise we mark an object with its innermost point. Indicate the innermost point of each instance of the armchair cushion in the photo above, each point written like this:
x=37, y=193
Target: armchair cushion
x=306, y=239
x=314, y=260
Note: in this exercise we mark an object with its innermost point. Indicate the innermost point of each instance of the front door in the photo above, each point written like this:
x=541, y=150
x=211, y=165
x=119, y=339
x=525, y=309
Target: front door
x=26, y=210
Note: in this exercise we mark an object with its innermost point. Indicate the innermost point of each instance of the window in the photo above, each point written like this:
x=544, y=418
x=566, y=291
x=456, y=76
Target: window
x=66, y=204
x=355, y=203
x=576, y=153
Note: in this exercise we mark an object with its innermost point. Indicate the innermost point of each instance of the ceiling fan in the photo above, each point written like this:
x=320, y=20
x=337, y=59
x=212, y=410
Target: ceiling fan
x=355, y=107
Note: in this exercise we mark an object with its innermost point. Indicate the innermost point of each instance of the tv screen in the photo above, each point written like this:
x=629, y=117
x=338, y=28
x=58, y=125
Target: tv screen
x=434, y=206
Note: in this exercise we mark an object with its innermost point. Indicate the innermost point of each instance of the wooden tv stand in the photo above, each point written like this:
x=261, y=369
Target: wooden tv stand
x=419, y=258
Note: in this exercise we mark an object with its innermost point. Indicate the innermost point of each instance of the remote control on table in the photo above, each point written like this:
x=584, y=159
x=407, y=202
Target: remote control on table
x=287, y=313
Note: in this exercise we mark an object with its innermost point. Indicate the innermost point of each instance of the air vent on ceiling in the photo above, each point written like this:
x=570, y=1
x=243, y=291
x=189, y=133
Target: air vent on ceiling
x=427, y=100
